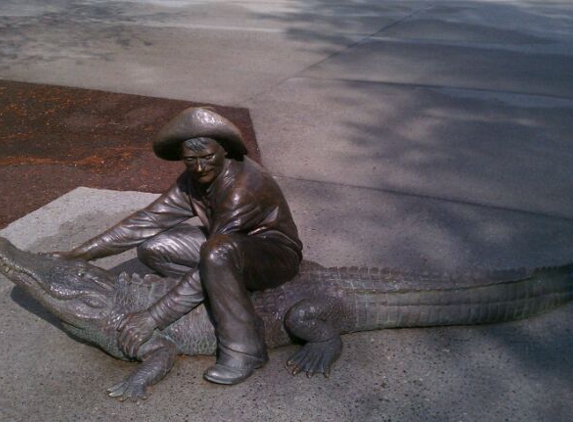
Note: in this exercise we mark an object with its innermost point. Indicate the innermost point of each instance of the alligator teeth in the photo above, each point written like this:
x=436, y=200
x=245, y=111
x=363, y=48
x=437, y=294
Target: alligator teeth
x=7, y=269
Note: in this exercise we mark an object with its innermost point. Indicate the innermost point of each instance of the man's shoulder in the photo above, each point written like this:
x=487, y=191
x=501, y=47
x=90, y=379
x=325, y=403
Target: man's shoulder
x=252, y=172
x=183, y=182
x=249, y=166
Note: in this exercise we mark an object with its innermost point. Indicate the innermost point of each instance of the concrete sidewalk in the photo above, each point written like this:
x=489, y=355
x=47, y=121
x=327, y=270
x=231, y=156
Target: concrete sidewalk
x=417, y=134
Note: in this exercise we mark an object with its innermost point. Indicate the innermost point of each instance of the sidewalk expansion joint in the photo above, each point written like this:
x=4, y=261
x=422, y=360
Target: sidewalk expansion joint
x=435, y=86
x=364, y=38
x=481, y=45
x=417, y=195
x=399, y=21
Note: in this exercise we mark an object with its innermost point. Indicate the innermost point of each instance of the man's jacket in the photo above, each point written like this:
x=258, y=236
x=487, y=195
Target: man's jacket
x=243, y=199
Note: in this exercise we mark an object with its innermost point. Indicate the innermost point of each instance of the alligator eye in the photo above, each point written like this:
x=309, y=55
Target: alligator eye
x=80, y=273
x=93, y=302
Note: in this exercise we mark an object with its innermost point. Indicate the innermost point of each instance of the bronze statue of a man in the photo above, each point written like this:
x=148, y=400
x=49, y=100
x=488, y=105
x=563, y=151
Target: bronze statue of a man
x=248, y=241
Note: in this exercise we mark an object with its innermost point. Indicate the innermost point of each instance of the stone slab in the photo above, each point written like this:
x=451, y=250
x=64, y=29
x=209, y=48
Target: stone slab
x=77, y=215
x=496, y=149
x=516, y=371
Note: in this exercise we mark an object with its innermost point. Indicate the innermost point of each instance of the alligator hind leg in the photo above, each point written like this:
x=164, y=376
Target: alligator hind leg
x=311, y=320
x=158, y=357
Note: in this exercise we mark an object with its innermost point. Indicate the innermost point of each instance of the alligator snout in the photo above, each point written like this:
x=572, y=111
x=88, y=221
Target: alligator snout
x=6, y=253
x=14, y=262
x=5, y=245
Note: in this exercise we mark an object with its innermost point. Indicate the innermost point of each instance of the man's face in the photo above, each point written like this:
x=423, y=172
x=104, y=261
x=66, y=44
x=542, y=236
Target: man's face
x=204, y=163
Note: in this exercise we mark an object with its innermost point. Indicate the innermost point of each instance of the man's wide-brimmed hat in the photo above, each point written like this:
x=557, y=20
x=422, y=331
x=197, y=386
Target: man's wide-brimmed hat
x=198, y=123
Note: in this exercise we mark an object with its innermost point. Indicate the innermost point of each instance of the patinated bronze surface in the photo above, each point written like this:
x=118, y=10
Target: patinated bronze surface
x=247, y=241
x=315, y=307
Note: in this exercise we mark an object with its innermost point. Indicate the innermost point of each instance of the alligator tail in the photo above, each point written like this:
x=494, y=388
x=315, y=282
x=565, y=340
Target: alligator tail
x=518, y=294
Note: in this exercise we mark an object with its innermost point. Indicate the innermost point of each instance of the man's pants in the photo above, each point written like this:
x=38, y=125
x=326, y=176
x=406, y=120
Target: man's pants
x=229, y=265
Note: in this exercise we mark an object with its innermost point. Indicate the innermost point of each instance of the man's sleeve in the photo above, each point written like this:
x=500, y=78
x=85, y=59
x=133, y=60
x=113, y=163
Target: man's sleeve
x=167, y=211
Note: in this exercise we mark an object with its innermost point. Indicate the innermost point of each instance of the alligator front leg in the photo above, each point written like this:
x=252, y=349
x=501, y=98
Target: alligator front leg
x=158, y=357
x=311, y=321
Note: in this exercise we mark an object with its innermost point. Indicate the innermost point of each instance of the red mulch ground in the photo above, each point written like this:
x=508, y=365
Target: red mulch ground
x=54, y=139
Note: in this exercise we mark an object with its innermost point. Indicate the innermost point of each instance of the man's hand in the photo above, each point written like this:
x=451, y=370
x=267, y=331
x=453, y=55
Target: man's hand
x=134, y=330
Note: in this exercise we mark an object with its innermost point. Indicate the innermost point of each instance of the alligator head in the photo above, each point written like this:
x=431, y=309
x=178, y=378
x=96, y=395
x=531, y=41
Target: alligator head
x=79, y=294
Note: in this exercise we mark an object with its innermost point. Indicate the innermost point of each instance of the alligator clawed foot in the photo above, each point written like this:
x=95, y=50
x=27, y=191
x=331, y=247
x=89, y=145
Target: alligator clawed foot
x=315, y=357
x=128, y=390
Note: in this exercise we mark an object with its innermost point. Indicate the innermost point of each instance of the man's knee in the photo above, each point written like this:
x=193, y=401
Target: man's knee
x=219, y=250
x=150, y=251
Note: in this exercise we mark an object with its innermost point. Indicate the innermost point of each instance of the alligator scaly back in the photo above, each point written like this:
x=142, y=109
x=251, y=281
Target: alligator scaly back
x=386, y=298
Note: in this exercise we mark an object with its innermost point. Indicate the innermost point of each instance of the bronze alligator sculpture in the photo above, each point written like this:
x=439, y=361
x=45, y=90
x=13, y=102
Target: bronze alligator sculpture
x=315, y=308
